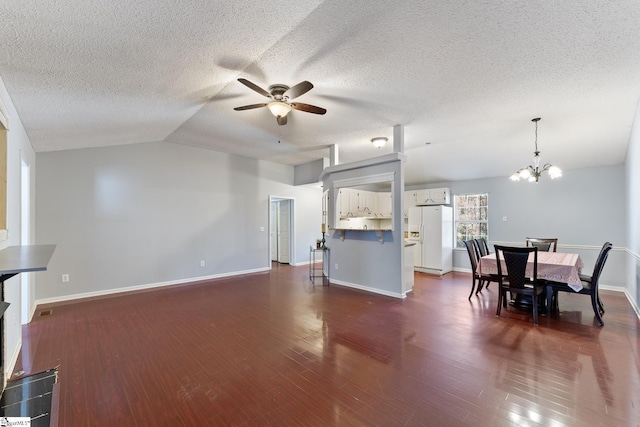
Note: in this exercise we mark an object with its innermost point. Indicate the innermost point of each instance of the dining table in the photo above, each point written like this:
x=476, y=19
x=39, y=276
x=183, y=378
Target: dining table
x=552, y=266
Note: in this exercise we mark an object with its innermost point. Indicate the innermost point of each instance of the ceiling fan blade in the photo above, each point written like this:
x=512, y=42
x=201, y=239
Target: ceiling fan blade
x=250, y=107
x=255, y=87
x=299, y=89
x=308, y=108
x=282, y=120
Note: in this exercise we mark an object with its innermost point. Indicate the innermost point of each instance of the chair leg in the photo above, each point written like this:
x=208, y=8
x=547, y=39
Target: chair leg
x=480, y=286
x=473, y=286
x=600, y=304
x=500, y=296
x=535, y=307
x=549, y=298
x=594, y=304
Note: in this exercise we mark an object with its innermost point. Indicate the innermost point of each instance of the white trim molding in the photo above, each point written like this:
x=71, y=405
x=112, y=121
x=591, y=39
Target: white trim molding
x=368, y=289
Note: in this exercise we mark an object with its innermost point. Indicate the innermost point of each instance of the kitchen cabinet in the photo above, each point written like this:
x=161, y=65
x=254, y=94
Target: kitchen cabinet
x=433, y=196
x=385, y=205
x=367, y=203
x=348, y=200
x=409, y=202
x=356, y=204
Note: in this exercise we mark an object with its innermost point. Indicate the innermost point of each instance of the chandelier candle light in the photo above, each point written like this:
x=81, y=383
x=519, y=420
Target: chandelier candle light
x=533, y=173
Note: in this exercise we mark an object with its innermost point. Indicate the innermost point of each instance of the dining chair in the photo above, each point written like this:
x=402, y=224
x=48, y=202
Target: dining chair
x=483, y=246
x=474, y=260
x=543, y=244
x=515, y=278
x=589, y=286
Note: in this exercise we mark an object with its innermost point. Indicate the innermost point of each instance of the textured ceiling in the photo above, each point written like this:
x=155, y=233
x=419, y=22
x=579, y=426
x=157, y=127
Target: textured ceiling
x=465, y=76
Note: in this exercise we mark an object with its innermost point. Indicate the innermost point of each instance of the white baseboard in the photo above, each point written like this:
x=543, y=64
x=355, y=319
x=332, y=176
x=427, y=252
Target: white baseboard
x=368, y=289
x=147, y=286
x=437, y=272
x=626, y=293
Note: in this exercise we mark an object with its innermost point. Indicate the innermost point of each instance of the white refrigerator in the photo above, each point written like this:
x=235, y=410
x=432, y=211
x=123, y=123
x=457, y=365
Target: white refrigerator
x=431, y=228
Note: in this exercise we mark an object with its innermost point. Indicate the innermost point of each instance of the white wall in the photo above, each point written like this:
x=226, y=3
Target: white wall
x=583, y=209
x=18, y=144
x=133, y=216
x=632, y=177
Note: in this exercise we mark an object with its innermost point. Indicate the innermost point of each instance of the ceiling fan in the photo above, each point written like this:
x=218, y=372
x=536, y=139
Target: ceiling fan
x=281, y=96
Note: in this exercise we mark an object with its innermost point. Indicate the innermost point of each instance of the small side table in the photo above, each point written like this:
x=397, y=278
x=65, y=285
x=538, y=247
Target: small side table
x=313, y=267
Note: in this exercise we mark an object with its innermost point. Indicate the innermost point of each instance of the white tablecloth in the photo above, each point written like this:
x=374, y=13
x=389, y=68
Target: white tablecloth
x=556, y=266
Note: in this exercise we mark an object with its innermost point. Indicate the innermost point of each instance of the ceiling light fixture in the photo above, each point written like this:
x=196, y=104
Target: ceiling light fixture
x=533, y=173
x=279, y=108
x=379, y=141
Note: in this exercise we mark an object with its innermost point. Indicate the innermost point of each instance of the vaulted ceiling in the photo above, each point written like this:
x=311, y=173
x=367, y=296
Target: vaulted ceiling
x=465, y=78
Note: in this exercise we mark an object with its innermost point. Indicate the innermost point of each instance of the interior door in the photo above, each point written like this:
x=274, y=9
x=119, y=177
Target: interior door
x=273, y=228
x=284, y=225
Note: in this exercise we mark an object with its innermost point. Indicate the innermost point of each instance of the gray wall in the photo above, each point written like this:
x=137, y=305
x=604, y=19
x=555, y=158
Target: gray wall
x=309, y=173
x=364, y=262
x=146, y=214
x=583, y=209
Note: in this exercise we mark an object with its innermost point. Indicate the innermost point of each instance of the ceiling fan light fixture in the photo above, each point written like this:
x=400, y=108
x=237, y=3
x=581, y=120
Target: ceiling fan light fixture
x=279, y=108
x=379, y=141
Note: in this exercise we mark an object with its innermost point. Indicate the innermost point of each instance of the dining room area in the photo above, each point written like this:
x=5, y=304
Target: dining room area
x=532, y=275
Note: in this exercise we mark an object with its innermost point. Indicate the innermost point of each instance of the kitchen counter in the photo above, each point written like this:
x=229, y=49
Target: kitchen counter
x=379, y=231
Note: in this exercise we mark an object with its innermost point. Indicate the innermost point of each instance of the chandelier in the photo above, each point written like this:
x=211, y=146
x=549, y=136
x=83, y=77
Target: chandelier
x=533, y=173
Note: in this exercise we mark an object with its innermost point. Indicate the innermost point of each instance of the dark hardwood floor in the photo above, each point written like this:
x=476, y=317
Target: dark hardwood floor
x=273, y=349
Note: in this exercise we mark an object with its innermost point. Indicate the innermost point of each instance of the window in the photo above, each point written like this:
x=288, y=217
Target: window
x=471, y=217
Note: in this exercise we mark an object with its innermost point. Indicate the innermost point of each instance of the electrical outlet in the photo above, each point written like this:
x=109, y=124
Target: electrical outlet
x=504, y=218
x=65, y=278
x=202, y=263
x=337, y=266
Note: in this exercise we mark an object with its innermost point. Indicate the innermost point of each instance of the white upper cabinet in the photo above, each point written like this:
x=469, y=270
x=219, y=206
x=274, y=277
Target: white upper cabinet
x=433, y=196
x=364, y=204
x=367, y=203
x=347, y=199
x=409, y=202
x=385, y=205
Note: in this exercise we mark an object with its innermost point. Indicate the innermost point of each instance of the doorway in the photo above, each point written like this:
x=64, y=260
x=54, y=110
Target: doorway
x=281, y=230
